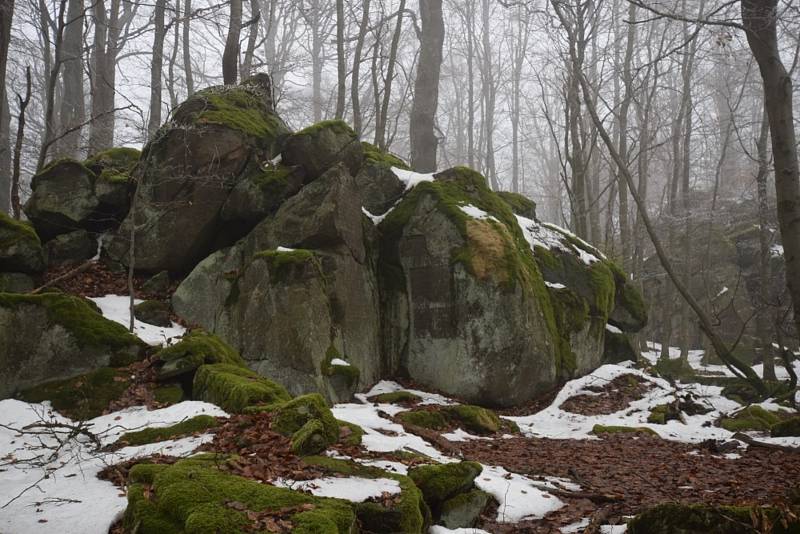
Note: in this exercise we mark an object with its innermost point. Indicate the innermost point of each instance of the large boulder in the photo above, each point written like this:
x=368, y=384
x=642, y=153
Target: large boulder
x=305, y=278
x=213, y=140
x=71, y=247
x=323, y=145
x=20, y=248
x=378, y=186
x=55, y=336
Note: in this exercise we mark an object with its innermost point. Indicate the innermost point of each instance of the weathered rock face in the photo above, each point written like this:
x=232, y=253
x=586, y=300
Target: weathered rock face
x=20, y=248
x=304, y=277
x=215, y=139
x=93, y=195
x=72, y=247
x=54, y=336
x=317, y=148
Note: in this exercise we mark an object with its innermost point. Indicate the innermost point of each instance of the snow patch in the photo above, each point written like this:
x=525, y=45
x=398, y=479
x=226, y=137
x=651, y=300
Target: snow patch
x=553, y=285
x=340, y=362
x=476, y=213
x=613, y=329
x=284, y=249
x=411, y=178
x=117, y=309
x=353, y=489
x=518, y=497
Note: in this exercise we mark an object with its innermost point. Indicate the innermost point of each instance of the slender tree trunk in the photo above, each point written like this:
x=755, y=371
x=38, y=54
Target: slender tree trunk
x=187, y=47
x=230, y=56
x=341, y=66
x=23, y=106
x=173, y=57
x=470, y=9
x=759, y=19
x=520, y=52
x=627, y=77
x=156, y=69
x=762, y=311
x=355, y=93
x=252, y=40
x=99, y=139
x=489, y=91
x=380, y=126
x=73, y=112
x=6, y=15
x=52, y=80
x=424, y=143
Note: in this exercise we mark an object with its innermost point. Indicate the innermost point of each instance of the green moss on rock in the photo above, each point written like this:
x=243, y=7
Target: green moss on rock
x=20, y=247
x=353, y=434
x=788, y=427
x=292, y=418
x=464, y=510
x=152, y=435
x=168, y=394
x=83, y=397
x=750, y=418
x=376, y=156
x=194, y=496
x=76, y=315
x=519, y=204
x=348, y=373
x=196, y=348
x=396, y=397
x=473, y=418
x=234, y=388
x=441, y=482
x=432, y=420
x=286, y=264
x=154, y=312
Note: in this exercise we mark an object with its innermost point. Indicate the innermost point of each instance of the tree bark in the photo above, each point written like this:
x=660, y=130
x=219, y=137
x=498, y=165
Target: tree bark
x=156, y=70
x=23, y=106
x=6, y=15
x=355, y=93
x=72, y=113
x=341, y=66
x=759, y=19
x=187, y=47
x=230, y=56
x=424, y=143
x=380, y=126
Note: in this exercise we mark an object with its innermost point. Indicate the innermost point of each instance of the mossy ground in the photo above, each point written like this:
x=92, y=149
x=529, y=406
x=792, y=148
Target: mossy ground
x=605, y=429
x=673, y=518
x=235, y=388
x=396, y=397
x=751, y=418
x=89, y=328
x=788, y=427
x=475, y=419
x=83, y=397
x=441, y=482
x=152, y=435
x=194, y=496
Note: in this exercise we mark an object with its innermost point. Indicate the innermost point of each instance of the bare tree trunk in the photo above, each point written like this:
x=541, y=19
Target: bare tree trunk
x=156, y=69
x=6, y=14
x=424, y=143
x=230, y=56
x=187, y=47
x=252, y=40
x=23, y=106
x=489, y=90
x=73, y=112
x=355, y=93
x=470, y=83
x=104, y=72
x=627, y=77
x=52, y=80
x=762, y=311
x=520, y=51
x=380, y=126
x=341, y=66
x=173, y=57
x=759, y=19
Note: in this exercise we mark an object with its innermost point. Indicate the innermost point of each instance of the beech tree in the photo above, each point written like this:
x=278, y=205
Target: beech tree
x=424, y=142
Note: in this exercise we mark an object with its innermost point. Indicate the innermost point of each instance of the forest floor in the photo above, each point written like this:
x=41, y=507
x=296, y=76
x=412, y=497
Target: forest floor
x=559, y=473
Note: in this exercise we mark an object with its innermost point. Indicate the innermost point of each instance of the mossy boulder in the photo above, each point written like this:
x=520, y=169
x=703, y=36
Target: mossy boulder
x=188, y=170
x=750, y=418
x=20, y=248
x=440, y=483
x=475, y=419
x=115, y=181
x=396, y=397
x=197, y=348
x=454, y=274
x=82, y=397
x=155, y=312
x=72, y=247
x=309, y=422
x=786, y=428
x=673, y=518
x=323, y=145
x=234, y=388
x=430, y=419
x=56, y=336
x=408, y=514
x=464, y=510
x=193, y=425
x=342, y=376
x=194, y=496
x=169, y=394
x=157, y=284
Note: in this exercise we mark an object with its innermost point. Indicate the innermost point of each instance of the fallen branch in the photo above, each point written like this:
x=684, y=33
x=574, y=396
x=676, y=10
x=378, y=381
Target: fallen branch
x=66, y=276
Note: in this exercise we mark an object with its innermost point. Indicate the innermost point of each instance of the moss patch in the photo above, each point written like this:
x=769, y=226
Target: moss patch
x=424, y=418
x=90, y=329
x=195, y=349
x=700, y=519
x=519, y=204
x=475, y=419
x=83, y=397
x=376, y=156
x=284, y=265
x=353, y=434
x=168, y=394
x=789, y=427
x=349, y=373
x=13, y=232
x=396, y=397
x=309, y=421
x=441, y=482
x=750, y=418
x=114, y=165
x=194, y=496
x=235, y=388
x=152, y=435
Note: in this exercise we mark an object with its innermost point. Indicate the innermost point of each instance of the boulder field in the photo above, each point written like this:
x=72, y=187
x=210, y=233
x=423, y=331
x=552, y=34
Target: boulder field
x=326, y=263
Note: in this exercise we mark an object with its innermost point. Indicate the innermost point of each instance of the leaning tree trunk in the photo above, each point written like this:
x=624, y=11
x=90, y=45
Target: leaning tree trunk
x=424, y=143
x=759, y=19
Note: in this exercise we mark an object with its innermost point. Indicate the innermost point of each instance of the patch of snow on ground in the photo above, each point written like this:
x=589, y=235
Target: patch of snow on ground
x=117, y=309
x=411, y=178
x=518, y=497
x=387, y=386
x=613, y=529
x=353, y=489
x=438, y=529
x=576, y=527
x=462, y=435
x=63, y=488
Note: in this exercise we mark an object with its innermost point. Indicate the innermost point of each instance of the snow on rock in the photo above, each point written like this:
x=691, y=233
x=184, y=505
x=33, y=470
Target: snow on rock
x=462, y=435
x=518, y=497
x=554, y=285
x=340, y=362
x=117, y=309
x=353, y=489
x=411, y=178
x=44, y=489
x=613, y=329
x=476, y=213
x=550, y=236
x=284, y=249
x=376, y=219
